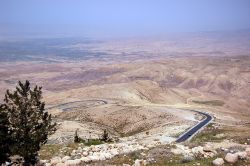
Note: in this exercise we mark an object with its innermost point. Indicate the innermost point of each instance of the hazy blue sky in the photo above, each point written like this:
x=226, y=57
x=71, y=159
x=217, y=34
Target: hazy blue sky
x=110, y=18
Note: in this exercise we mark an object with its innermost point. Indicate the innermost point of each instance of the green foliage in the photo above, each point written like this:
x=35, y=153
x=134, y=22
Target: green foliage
x=87, y=142
x=90, y=142
x=29, y=123
x=4, y=136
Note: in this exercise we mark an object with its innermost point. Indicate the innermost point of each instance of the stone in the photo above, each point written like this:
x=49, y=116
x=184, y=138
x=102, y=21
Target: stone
x=78, y=151
x=60, y=164
x=248, y=152
x=93, y=158
x=85, y=159
x=78, y=156
x=47, y=164
x=108, y=155
x=73, y=153
x=65, y=158
x=85, y=154
x=55, y=160
x=211, y=154
x=177, y=151
x=125, y=165
x=224, y=149
x=187, y=158
x=76, y=162
x=231, y=158
x=242, y=155
x=102, y=156
x=140, y=162
x=208, y=148
x=218, y=162
x=16, y=160
x=197, y=150
x=114, y=152
x=42, y=162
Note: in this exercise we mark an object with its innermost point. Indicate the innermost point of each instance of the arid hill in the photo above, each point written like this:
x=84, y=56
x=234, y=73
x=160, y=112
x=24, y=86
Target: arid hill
x=140, y=91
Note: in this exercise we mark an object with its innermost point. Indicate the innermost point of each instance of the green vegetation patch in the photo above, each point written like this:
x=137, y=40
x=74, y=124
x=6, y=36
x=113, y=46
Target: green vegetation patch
x=92, y=142
x=210, y=102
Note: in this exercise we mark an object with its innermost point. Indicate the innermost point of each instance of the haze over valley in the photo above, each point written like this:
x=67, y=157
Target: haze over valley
x=162, y=91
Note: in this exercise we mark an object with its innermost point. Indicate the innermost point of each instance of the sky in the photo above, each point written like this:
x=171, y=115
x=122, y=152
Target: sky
x=120, y=18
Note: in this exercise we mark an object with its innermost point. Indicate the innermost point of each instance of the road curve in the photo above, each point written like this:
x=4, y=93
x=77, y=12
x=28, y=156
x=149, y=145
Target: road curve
x=191, y=132
x=184, y=137
x=70, y=107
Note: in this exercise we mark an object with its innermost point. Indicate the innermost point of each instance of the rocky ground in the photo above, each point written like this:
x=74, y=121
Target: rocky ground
x=132, y=153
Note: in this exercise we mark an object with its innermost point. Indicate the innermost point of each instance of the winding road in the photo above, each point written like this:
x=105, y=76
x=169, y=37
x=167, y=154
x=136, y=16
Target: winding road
x=184, y=137
x=68, y=106
x=191, y=132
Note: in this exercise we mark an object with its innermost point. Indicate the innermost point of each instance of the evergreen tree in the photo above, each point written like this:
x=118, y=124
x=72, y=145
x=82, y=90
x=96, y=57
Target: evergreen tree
x=105, y=136
x=29, y=123
x=4, y=136
x=76, y=138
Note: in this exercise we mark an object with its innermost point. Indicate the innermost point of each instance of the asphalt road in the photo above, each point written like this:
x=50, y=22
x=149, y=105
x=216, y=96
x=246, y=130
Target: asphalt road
x=67, y=106
x=188, y=134
x=184, y=137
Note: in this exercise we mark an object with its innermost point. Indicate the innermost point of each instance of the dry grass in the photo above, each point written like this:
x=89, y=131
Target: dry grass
x=50, y=150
